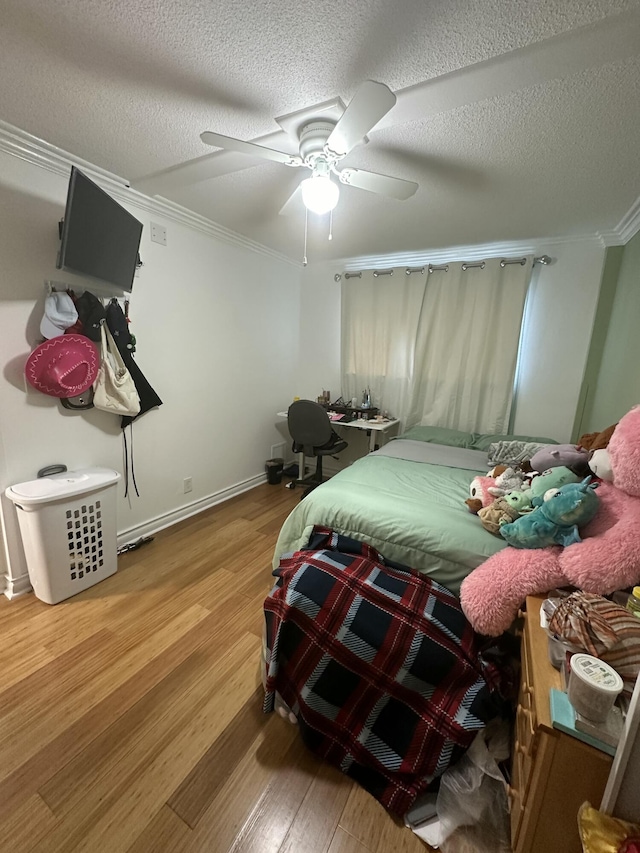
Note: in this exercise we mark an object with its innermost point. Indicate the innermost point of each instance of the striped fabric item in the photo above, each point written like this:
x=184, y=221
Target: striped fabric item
x=603, y=629
x=378, y=664
x=512, y=452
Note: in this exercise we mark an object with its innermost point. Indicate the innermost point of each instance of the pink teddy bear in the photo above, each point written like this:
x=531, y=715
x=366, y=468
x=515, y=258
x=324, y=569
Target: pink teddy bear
x=607, y=558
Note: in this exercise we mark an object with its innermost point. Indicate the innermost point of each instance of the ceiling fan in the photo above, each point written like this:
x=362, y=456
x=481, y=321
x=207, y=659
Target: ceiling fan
x=323, y=143
x=556, y=57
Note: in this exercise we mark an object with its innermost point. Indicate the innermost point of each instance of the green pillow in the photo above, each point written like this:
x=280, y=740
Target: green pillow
x=482, y=440
x=439, y=435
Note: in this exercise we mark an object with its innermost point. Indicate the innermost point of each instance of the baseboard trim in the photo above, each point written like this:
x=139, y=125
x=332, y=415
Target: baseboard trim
x=15, y=587
x=160, y=522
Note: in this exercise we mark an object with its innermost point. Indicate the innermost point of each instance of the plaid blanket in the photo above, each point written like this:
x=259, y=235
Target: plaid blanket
x=379, y=665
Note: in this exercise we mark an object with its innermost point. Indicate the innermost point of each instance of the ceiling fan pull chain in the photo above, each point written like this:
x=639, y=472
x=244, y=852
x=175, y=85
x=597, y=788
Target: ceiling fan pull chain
x=331, y=224
x=306, y=223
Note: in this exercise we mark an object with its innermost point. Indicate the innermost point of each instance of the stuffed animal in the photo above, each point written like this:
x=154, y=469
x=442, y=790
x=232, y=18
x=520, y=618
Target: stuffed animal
x=596, y=440
x=607, y=558
x=557, y=520
x=479, y=494
x=484, y=490
x=510, y=480
x=496, y=471
x=552, y=478
x=504, y=509
x=520, y=501
x=600, y=465
x=496, y=514
x=569, y=455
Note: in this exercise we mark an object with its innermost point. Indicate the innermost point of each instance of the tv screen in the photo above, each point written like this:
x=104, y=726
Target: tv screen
x=99, y=237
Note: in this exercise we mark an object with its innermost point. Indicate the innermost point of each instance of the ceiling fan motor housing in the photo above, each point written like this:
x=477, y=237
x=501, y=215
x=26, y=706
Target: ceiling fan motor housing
x=313, y=137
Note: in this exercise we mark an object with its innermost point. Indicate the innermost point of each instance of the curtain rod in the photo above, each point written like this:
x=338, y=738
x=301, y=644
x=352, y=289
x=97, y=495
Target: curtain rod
x=545, y=260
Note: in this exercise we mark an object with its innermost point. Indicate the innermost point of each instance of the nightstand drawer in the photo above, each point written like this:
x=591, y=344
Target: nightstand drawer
x=525, y=730
x=515, y=811
x=552, y=772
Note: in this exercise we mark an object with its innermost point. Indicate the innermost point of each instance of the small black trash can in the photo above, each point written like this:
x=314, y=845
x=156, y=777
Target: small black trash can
x=274, y=470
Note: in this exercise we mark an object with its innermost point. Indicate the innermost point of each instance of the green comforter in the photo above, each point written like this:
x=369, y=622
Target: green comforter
x=412, y=512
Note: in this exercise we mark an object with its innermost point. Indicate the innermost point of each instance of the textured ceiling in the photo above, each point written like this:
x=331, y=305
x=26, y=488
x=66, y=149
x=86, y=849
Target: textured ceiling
x=517, y=119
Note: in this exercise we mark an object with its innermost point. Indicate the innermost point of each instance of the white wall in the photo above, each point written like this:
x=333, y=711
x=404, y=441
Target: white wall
x=217, y=336
x=227, y=334
x=319, y=362
x=560, y=314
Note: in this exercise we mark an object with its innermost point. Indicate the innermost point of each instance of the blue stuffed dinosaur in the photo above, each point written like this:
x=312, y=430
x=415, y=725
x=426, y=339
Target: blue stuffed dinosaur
x=556, y=521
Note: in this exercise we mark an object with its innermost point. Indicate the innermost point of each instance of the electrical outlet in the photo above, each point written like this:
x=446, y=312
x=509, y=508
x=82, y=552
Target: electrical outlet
x=277, y=451
x=158, y=234
x=187, y=484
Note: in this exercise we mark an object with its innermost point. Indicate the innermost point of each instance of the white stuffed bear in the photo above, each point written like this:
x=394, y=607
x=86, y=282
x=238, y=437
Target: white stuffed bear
x=600, y=464
x=509, y=481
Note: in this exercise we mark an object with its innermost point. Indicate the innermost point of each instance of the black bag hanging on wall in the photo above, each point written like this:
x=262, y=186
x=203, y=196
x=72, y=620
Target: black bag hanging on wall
x=119, y=328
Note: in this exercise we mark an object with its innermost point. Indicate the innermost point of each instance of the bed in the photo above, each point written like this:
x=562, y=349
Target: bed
x=408, y=501
x=364, y=654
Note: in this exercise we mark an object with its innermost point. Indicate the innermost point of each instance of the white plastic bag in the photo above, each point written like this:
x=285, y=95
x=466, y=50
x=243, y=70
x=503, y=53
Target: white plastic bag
x=473, y=812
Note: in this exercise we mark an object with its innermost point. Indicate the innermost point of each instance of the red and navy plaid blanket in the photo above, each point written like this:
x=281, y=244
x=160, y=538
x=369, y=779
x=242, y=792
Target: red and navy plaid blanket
x=379, y=665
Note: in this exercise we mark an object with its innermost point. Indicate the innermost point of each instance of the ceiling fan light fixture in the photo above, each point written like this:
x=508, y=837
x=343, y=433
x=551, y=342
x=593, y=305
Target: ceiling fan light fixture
x=319, y=194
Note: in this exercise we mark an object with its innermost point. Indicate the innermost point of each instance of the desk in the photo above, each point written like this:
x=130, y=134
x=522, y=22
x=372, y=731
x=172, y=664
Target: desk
x=371, y=427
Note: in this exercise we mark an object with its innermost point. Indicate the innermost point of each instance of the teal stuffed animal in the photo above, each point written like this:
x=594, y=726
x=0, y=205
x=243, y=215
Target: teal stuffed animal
x=557, y=520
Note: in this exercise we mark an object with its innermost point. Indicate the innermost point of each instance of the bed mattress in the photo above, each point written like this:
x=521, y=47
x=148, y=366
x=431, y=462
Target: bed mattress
x=408, y=501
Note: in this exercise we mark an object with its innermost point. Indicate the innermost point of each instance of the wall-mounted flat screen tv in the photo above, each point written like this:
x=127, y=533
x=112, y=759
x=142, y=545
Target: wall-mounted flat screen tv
x=99, y=237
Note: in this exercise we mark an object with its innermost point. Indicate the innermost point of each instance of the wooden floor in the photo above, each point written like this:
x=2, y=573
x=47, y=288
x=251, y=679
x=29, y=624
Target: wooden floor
x=131, y=714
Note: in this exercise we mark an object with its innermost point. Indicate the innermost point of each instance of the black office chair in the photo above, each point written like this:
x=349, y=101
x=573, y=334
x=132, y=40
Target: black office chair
x=313, y=435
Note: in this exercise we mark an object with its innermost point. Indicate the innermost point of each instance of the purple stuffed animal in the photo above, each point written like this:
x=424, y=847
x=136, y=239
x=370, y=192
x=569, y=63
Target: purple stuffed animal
x=570, y=455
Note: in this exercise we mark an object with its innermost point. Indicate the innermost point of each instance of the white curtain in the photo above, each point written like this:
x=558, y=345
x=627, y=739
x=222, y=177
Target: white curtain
x=438, y=349
x=379, y=331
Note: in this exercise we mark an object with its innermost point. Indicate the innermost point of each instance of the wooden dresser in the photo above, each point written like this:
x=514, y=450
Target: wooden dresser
x=553, y=773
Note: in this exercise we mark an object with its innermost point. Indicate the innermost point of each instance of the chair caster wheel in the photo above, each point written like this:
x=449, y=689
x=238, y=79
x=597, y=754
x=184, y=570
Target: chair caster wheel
x=290, y=485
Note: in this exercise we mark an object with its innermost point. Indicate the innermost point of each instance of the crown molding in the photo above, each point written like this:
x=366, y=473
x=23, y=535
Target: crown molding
x=474, y=252
x=629, y=225
x=19, y=143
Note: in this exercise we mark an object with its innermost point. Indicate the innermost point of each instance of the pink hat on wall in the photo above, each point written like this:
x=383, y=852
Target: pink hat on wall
x=64, y=366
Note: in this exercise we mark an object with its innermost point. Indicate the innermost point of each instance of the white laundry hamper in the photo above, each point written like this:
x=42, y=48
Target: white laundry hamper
x=68, y=528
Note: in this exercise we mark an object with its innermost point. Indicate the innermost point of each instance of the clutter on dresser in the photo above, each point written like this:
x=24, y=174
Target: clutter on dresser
x=583, y=622
x=595, y=643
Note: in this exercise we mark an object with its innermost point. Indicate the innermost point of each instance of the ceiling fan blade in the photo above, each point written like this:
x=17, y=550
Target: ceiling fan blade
x=192, y=172
x=200, y=169
x=376, y=183
x=370, y=103
x=250, y=148
x=556, y=57
x=293, y=204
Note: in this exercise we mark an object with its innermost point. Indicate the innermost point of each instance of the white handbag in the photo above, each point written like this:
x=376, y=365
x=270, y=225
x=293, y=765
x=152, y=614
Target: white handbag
x=114, y=389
